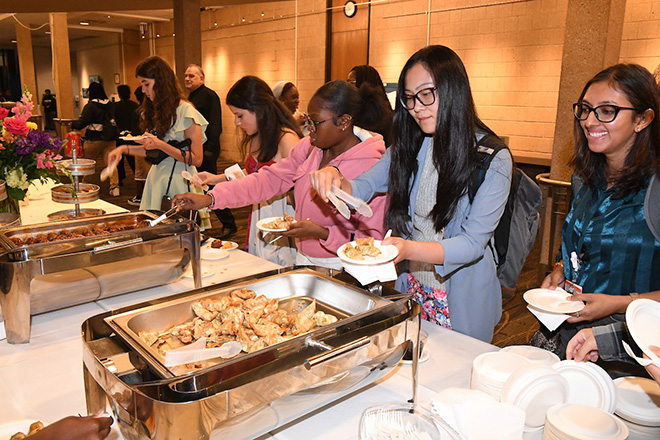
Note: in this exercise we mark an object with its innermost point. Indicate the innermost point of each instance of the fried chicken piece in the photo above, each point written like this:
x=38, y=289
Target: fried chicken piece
x=367, y=241
x=243, y=293
x=35, y=427
x=353, y=253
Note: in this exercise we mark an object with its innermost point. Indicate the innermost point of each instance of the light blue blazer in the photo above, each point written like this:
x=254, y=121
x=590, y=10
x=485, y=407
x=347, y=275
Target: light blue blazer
x=473, y=290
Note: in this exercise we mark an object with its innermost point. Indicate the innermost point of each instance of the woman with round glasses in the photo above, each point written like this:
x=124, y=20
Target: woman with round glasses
x=608, y=251
x=442, y=238
x=333, y=116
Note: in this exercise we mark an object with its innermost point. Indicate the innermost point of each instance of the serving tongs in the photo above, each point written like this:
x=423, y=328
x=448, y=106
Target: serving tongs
x=194, y=179
x=197, y=352
x=359, y=205
x=169, y=213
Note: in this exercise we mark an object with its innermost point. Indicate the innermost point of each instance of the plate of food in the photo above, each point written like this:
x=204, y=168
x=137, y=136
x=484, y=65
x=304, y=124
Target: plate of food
x=27, y=427
x=367, y=251
x=552, y=301
x=130, y=137
x=222, y=244
x=275, y=224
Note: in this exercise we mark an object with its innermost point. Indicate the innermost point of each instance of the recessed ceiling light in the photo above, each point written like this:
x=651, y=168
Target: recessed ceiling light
x=262, y=14
x=157, y=35
x=13, y=41
x=243, y=19
x=173, y=34
x=109, y=16
x=84, y=23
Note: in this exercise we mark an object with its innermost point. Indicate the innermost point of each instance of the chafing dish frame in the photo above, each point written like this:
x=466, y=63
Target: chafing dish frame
x=20, y=265
x=244, y=397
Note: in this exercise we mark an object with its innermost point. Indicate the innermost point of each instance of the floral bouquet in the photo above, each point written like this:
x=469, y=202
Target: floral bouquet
x=26, y=154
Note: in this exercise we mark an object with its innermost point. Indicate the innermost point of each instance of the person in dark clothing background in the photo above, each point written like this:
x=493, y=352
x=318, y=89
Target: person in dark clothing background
x=93, y=117
x=207, y=102
x=127, y=120
x=50, y=109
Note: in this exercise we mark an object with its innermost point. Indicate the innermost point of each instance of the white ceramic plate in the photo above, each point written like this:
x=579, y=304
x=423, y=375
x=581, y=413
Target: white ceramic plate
x=230, y=245
x=388, y=253
x=643, y=318
x=208, y=253
x=638, y=400
x=552, y=301
x=263, y=221
x=8, y=429
x=589, y=385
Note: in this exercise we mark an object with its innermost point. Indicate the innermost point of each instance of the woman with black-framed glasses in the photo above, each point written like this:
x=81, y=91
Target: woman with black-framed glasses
x=442, y=238
x=609, y=251
x=333, y=117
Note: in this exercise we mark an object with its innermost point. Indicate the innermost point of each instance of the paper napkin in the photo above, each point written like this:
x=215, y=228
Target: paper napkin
x=550, y=320
x=370, y=273
x=477, y=416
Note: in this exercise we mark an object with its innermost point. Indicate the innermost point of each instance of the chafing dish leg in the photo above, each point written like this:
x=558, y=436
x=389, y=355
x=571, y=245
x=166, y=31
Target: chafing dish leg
x=16, y=312
x=95, y=396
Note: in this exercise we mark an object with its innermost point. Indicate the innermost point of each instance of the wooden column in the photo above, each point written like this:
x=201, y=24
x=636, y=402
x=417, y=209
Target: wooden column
x=591, y=43
x=59, y=40
x=26, y=65
x=188, y=35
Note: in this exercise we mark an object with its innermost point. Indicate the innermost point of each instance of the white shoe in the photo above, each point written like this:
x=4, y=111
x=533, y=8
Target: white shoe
x=114, y=192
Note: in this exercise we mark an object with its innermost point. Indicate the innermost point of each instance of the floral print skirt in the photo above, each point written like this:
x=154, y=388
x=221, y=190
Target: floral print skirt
x=433, y=301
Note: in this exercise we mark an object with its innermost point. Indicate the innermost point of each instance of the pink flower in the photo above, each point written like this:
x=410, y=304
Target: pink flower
x=3, y=113
x=45, y=160
x=16, y=126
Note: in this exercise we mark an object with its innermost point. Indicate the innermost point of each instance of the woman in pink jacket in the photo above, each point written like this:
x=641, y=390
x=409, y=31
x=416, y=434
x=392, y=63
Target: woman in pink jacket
x=335, y=139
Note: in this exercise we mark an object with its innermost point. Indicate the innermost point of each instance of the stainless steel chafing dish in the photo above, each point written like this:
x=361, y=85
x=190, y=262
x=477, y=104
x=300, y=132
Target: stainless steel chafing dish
x=254, y=393
x=41, y=277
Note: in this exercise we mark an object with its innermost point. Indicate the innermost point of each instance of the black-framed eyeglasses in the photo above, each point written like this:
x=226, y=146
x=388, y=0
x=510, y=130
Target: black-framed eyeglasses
x=604, y=113
x=425, y=97
x=311, y=124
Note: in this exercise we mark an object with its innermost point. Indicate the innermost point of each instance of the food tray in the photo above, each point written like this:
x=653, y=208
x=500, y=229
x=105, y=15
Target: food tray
x=69, y=214
x=295, y=290
x=86, y=193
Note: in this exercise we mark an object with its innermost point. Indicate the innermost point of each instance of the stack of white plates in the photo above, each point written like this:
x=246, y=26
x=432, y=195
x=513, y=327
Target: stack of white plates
x=643, y=319
x=490, y=371
x=589, y=385
x=578, y=422
x=534, y=389
x=638, y=405
x=535, y=355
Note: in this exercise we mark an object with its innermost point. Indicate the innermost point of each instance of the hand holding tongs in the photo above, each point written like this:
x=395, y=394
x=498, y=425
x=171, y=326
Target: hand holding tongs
x=170, y=212
x=360, y=205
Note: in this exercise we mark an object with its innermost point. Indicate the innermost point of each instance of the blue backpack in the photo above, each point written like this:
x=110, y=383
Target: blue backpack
x=515, y=234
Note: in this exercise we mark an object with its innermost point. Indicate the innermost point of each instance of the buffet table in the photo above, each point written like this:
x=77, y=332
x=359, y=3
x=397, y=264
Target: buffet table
x=43, y=380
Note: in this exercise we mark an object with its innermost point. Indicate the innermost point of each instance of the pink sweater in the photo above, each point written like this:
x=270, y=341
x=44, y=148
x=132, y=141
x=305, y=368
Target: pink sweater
x=294, y=172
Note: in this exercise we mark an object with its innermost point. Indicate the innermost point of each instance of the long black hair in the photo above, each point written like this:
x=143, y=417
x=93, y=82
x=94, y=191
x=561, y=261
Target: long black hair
x=643, y=159
x=454, y=140
x=273, y=118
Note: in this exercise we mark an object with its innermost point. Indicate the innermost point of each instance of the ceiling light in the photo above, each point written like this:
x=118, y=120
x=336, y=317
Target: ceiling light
x=262, y=14
x=13, y=41
x=47, y=32
x=84, y=23
x=173, y=34
x=157, y=35
x=216, y=23
x=243, y=19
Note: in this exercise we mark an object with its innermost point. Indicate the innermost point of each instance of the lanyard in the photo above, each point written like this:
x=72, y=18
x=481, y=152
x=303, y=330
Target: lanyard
x=585, y=211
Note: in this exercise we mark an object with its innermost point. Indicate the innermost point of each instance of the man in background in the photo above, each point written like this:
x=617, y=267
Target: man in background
x=50, y=109
x=207, y=102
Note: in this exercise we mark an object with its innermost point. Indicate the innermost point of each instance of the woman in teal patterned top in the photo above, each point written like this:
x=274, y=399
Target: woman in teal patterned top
x=607, y=247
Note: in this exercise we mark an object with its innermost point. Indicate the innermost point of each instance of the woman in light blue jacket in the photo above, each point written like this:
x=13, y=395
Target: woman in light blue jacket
x=442, y=238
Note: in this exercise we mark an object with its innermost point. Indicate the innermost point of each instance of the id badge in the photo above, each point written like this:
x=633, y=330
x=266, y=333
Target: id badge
x=572, y=287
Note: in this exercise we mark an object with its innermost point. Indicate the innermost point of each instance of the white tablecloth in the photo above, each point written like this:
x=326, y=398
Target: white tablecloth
x=39, y=204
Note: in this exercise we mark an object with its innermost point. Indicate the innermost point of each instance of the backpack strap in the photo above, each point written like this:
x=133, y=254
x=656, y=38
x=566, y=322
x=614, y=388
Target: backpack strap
x=487, y=147
x=652, y=206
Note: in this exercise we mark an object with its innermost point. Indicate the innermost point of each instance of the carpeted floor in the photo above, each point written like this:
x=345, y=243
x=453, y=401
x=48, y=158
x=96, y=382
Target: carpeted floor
x=516, y=326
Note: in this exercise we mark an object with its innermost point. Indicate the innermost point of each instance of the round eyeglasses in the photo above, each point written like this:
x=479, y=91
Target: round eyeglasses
x=311, y=124
x=425, y=97
x=604, y=113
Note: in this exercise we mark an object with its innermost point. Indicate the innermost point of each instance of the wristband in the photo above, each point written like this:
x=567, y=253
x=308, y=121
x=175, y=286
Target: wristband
x=559, y=264
x=341, y=176
x=212, y=201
